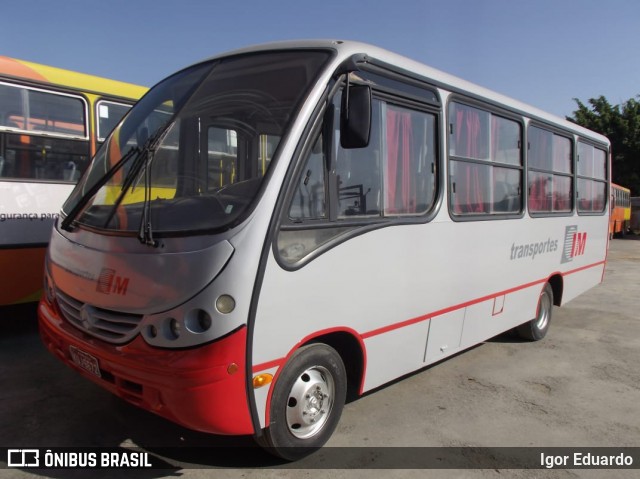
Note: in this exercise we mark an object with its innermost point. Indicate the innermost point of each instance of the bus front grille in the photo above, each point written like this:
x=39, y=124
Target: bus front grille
x=111, y=326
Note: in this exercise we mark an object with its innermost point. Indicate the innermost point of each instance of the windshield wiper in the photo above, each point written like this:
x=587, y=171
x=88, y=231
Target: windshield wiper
x=141, y=163
x=140, y=153
x=145, y=233
x=75, y=211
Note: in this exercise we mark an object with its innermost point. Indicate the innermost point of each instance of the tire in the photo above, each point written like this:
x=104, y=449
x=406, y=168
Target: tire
x=306, y=403
x=537, y=328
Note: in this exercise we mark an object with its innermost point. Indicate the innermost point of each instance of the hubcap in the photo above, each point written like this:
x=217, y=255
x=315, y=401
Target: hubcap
x=310, y=402
x=543, y=311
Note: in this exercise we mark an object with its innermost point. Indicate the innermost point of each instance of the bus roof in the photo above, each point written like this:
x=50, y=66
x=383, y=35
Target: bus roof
x=35, y=72
x=346, y=49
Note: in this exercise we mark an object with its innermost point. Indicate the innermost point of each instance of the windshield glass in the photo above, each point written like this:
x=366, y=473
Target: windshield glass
x=191, y=155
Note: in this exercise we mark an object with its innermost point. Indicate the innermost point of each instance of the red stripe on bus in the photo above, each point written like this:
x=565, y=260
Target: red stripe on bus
x=577, y=270
x=392, y=327
x=425, y=317
x=361, y=337
x=276, y=363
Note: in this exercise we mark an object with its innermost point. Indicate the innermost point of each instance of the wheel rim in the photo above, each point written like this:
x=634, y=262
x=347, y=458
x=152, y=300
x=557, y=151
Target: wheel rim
x=544, y=311
x=310, y=402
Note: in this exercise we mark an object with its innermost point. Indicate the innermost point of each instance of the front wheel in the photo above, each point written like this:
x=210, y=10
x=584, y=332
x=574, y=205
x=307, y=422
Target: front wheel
x=307, y=402
x=537, y=328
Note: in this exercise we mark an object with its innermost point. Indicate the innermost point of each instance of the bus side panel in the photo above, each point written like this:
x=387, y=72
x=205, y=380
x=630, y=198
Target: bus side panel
x=28, y=213
x=494, y=316
x=394, y=353
x=575, y=283
x=468, y=280
x=445, y=332
x=583, y=256
x=22, y=271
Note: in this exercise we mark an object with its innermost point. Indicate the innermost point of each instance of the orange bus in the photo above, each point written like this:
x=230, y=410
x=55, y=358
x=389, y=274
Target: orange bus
x=620, y=210
x=52, y=121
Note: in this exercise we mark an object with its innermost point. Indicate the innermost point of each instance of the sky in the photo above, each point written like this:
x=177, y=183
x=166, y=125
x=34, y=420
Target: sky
x=542, y=52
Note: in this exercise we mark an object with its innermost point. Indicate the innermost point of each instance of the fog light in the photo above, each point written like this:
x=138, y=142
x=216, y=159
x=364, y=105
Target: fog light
x=225, y=304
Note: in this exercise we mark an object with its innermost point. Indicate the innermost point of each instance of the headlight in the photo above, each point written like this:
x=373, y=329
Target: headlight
x=198, y=321
x=203, y=319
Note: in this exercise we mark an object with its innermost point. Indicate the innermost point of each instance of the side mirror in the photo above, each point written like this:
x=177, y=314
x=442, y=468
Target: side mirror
x=355, y=117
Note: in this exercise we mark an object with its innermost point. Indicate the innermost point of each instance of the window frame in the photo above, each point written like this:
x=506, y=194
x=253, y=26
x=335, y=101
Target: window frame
x=606, y=180
x=351, y=226
x=101, y=101
x=44, y=133
x=28, y=142
x=388, y=97
x=572, y=175
x=490, y=110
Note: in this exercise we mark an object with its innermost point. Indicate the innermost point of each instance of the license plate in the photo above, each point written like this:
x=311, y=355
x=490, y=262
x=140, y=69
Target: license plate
x=85, y=361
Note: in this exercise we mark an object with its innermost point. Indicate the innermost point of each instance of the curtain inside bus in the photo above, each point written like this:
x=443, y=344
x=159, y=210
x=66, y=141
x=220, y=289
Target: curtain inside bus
x=401, y=192
x=470, y=143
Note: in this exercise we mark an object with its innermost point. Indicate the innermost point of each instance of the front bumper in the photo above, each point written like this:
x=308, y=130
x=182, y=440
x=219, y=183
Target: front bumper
x=203, y=388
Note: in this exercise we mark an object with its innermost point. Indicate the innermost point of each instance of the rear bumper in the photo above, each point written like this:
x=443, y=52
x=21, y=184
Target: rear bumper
x=203, y=388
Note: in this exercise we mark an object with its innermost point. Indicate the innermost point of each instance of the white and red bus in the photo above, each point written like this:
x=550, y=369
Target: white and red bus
x=274, y=229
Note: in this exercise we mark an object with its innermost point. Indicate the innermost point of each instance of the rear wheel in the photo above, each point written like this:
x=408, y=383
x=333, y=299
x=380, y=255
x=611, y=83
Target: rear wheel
x=307, y=402
x=537, y=328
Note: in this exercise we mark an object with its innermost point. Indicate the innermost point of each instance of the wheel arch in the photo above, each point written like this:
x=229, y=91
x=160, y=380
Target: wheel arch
x=557, y=286
x=349, y=345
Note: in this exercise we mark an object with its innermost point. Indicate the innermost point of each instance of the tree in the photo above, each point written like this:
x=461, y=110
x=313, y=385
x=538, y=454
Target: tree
x=621, y=124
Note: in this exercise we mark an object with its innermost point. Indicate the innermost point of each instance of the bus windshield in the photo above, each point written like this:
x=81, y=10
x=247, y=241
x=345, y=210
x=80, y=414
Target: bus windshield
x=191, y=155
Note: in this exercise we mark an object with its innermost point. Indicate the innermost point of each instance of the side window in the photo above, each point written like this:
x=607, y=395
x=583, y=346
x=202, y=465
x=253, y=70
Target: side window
x=359, y=173
x=109, y=114
x=410, y=161
x=34, y=157
x=550, y=162
x=339, y=189
x=47, y=135
x=308, y=225
x=32, y=110
x=592, y=178
x=309, y=199
x=485, y=162
x=395, y=174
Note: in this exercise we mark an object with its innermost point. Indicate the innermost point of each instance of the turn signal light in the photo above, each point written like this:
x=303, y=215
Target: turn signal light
x=262, y=380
